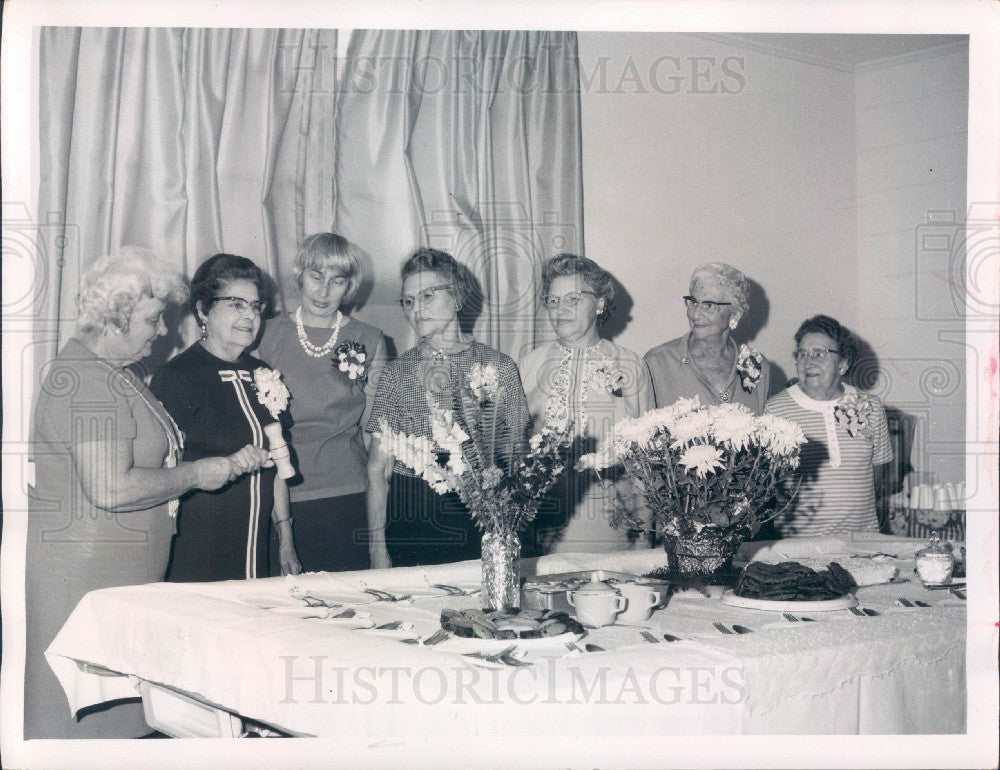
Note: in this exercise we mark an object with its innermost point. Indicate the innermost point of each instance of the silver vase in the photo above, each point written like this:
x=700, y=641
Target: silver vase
x=501, y=571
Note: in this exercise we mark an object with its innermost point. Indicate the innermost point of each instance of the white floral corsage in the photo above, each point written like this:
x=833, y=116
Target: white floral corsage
x=484, y=382
x=609, y=378
x=350, y=358
x=855, y=411
x=749, y=364
x=271, y=391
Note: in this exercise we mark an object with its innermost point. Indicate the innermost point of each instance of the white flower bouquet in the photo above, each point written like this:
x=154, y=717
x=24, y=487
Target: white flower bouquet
x=501, y=481
x=703, y=467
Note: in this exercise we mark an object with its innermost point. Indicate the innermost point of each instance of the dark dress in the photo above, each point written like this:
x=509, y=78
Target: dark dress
x=221, y=535
x=74, y=547
x=423, y=527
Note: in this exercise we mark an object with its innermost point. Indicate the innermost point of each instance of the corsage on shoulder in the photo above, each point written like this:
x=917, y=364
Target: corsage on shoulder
x=271, y=391
x=856, y=411
x=749, y=364
x=350, y=358
x=484, y=382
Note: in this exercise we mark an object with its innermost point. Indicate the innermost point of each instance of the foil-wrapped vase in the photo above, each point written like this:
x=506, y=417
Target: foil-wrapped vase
x=501, y=571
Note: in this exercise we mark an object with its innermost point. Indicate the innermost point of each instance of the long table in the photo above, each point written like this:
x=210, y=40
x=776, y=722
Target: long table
x=902, y=671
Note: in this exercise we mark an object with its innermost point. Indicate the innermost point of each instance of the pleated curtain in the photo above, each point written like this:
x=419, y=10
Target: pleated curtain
x=195, y=141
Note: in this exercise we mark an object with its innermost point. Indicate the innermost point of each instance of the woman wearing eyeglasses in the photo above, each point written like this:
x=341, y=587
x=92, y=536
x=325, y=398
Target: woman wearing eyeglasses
x=209, y=391
x=409, y=523
x=706, y=362
x=331, y=363
x=846, y=431
x=592, y=383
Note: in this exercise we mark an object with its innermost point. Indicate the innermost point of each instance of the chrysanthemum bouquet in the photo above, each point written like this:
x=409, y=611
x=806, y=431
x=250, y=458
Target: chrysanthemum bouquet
x=501, y=481
x=703, y=467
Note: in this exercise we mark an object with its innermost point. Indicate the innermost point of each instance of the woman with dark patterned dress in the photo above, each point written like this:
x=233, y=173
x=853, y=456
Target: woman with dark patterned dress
x=409, y=523
x=209, y=390
x=328, y=403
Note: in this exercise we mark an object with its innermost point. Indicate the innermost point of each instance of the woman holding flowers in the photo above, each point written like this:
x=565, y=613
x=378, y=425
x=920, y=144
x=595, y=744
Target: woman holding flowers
x=222, y=398
x=591, y=384
x=847, y=432
x=331, y=365
x=409, y=522
x=706, y=362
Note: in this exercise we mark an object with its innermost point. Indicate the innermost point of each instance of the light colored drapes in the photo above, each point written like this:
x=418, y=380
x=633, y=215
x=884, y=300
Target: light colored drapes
x=189, y=141
x=468, y=142
x=194, y=141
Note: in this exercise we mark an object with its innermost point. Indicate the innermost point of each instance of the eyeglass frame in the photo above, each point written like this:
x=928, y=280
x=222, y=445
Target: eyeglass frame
x=709, y=304
x=546, y=298
x=424, y=296
x=259, y=306
x=815, y=355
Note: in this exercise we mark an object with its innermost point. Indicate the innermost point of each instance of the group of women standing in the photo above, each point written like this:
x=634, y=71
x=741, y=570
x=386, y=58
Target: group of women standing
x=123, y=469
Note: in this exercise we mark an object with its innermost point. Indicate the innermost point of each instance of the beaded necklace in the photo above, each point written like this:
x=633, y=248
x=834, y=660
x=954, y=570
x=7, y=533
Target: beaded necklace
x=317, y=351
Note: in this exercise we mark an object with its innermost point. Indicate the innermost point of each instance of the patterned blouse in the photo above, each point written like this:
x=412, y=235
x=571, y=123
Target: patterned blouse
x=401, y=397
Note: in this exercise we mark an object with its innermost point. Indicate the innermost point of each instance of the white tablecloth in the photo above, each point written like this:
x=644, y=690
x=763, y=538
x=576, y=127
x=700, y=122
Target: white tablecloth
x=900, y=672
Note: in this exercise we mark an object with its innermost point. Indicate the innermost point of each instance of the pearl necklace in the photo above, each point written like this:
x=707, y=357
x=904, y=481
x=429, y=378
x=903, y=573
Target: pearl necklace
x=316, y=351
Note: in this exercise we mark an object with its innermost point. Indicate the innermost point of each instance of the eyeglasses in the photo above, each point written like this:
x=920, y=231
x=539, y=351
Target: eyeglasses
x=240, y=305
x=407, y=301
x=568, y=300
x=709, y=305
x=815, y=355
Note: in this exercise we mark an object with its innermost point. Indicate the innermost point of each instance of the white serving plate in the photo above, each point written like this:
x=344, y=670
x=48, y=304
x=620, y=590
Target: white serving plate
x=783, y=605
x=463, y=644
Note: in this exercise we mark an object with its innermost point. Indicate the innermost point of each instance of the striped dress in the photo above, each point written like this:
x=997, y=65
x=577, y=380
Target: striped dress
x=221, y=535
x=836, y=485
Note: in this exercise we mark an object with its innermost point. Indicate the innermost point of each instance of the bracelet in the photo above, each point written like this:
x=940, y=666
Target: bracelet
x=282, y=521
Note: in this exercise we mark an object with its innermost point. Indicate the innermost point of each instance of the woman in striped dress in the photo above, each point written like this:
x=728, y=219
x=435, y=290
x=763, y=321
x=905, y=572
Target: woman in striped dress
x=847, y=435
x=209, y=390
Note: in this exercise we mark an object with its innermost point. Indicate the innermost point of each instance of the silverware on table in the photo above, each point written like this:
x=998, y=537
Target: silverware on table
x=870, y=612
x=790, y=617
x=920, y=603
x=436, y=638
x=393, y=626
x=959, y=592
x=671, y=638
x=742, y=629
x=722, y=628
x=649, y=637
x=593, y=648
x=903, y=601
x=385, y=596
x=857, y=611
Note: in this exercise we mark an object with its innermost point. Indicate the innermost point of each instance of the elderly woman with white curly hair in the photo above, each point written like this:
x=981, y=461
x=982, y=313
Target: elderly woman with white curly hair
x=107, y=463
x=706, y=362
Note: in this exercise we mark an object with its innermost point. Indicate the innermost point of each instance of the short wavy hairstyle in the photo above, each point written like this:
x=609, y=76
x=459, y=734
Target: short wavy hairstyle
x=112, y=287
x=464, y=287
x=329, y=250
x=734, y=279
x=219, y=270
x=824, y=324
x=597, y=278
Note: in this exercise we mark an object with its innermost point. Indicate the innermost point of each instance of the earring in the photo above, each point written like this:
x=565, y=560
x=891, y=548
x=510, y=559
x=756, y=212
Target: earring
x=733, y=323
x=204, y=330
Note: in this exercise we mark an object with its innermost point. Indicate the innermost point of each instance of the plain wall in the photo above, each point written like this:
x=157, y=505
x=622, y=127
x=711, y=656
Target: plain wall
x=814, y=180
x=911, y=197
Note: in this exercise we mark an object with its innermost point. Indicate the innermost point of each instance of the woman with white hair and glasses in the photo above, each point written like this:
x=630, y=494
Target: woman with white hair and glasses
x=591, y=383
x=331, y=363
x=706, y=362
x=109, y=472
